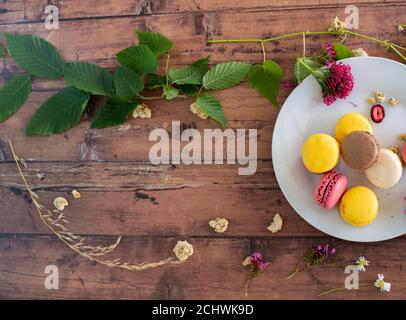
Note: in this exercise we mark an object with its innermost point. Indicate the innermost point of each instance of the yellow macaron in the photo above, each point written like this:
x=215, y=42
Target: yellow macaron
x=359, y=206
x=350, y=122
x=320, y=153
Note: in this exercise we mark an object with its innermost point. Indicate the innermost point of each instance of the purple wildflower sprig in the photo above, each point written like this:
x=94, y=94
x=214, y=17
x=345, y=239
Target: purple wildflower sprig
x=313, y=257
x=255, y=264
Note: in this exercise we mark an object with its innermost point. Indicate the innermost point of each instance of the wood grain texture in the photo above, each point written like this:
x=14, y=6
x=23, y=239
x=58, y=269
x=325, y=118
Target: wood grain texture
x=154, y=206
x=213, y=272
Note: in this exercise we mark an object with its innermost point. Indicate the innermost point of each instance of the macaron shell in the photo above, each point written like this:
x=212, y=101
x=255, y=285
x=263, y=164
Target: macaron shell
x=350, y=122
x=335, y=191
x=387, y=171
x=321, y=187
x=320, y=153
x=360, y=150
x=359, y=206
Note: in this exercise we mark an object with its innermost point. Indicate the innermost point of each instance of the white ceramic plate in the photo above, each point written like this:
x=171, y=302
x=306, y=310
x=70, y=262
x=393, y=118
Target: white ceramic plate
x=304, y=114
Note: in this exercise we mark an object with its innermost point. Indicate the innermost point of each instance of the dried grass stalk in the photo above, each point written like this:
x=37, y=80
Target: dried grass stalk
x=57, y=223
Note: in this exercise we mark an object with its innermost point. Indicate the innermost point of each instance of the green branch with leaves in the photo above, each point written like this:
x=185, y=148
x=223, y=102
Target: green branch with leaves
x=124, y=88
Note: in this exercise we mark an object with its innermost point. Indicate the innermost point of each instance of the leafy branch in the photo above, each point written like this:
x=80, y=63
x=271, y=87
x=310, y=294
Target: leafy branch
x=124, y=89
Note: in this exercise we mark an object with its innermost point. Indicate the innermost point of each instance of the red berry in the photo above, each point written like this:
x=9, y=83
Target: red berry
x=377, y=113
x=404, y=153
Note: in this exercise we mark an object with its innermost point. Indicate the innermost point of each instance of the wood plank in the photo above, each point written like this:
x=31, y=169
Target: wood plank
x=83, y=143
x=139, y=199
x=85, y=35
x=213, y=272
x=20, y=11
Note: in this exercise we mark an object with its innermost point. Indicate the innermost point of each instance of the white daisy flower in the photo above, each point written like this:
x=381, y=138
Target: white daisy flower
x=381, y=284
x=361, y=263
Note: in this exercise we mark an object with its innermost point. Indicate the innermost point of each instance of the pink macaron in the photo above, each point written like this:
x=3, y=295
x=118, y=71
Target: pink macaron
x=330, y=189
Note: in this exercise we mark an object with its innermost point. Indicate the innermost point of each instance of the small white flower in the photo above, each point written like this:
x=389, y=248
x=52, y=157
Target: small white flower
x=361, y=263
x=381, y=284
x=183, y=250
x=400, y=28
x=359, y=52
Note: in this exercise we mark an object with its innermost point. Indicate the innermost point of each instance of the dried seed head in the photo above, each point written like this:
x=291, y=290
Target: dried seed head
x=395, y=149
x=276, y=224
x=337, y=26
x=219, y=225
x=183, y=250
x=142, y=111
x=359, y=53
x=60, y=203
x=371, y=100
x=76, y=194
x=379, y=96
x=194, y=108
x=393, y=102
x=246, y=261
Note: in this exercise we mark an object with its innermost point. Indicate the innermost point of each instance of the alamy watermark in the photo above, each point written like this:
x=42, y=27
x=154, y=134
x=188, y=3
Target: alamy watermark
x=240, y=148
x=51, y=281
x=52, y=17
x=352, y=17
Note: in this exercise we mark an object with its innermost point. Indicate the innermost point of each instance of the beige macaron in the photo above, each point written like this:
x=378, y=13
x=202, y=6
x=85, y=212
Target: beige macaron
x=387, y=171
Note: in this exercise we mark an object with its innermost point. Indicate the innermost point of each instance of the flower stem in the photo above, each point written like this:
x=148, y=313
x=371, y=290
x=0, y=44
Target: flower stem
x=340, y=289
x=386, y=43
x=304, y=45
x=159, y=97
x=284, y=36
x=246, y=285
x=167, y=68
x=263, y=51
x=294, y=272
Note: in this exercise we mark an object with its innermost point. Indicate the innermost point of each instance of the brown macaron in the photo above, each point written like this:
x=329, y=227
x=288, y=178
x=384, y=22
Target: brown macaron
x=360, y=150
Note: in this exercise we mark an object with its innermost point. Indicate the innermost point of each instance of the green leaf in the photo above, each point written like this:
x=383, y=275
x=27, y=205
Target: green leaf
x=210, y=105
x=225, y=75
x=266, y=79
x=3, y=52
x=59, y=113
x=155, y=80
x=139, y=58
x=13, y=95
x=302, y=72
x=342, y=51
x=190, y=90
x=192, y=74
x=155, y=41
x=170, y=93
x=89, y=77
x=127, y=83
x=113, y=113
x=35, y=55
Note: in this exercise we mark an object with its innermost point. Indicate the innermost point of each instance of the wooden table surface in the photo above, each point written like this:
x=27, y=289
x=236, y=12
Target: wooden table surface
x=154, y=206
